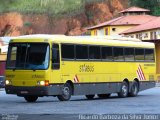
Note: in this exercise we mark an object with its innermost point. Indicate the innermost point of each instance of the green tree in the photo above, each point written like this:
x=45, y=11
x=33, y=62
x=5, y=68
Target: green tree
x=4, y=4
x=152, y=5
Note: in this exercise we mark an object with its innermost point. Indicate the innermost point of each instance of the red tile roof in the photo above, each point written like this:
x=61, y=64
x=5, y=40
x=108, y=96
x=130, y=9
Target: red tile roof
x=153, y=24
x=135, y=9
x=126, y=20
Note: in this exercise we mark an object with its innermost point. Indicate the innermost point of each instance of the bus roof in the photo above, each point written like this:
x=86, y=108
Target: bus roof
x=92, y=40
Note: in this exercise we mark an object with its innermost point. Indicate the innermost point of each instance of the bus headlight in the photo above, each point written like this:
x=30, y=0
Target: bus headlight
x=8, y=82
x=43, y=83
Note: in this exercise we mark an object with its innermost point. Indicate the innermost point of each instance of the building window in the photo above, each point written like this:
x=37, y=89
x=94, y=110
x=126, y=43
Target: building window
x=158, y=33
x=132, y=36
x=95, y=32
x=145, y=35
x=100, y=32
x=106, y=31
x=139, y=36
x=153, y=35
x=114, y=29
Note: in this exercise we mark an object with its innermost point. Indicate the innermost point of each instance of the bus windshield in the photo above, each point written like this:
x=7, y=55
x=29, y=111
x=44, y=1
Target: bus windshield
x=31, y=56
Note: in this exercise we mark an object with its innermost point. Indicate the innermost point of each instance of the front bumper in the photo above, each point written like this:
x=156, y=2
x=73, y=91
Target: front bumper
x=35, y=90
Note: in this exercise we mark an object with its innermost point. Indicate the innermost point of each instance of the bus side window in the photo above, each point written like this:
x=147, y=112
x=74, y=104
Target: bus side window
x=118, y=54
x=149, y=55
x=94, y=53
x=55, y=57
x=139, y=54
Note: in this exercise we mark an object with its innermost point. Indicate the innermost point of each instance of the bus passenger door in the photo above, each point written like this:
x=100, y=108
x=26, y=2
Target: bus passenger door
x=55, y=72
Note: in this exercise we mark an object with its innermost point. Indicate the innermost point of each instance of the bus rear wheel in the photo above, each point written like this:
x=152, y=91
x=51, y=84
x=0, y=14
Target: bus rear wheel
x=123, y=90
x=66, y=92
x=134, y=89
x=103, y=96
x=90, y=97
x=31, y=98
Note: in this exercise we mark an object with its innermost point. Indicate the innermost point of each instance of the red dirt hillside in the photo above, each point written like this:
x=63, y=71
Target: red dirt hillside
x=14, y=24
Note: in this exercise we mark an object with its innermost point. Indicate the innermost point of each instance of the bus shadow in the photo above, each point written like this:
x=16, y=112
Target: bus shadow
x=110, y=98
x=55, y=100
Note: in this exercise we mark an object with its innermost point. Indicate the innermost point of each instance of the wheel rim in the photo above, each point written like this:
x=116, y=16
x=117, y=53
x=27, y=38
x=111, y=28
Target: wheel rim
x=124, y=90
x=66, y=91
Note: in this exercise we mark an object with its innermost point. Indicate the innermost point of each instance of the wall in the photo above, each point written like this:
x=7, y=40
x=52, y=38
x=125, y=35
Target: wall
x=3, y=56
x=2, y=68
x=118, y=29
x=142, y=34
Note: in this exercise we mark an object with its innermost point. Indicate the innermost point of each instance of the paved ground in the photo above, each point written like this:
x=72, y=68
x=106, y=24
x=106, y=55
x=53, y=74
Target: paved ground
x=147, y=102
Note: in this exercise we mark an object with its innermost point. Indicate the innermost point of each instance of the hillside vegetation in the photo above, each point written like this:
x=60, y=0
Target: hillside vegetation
x=52, y=7
x=152, y=5
x=65, y=7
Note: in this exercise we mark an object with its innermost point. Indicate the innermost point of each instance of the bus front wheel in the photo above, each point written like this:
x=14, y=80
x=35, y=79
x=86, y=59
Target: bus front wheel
x=66, y=92
x=30, y=98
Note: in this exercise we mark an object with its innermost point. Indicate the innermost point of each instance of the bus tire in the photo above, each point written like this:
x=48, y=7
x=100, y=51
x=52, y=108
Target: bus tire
x=90, y=97
x=103, y=96
x=31, y=98
x=66, y=92
x=123, y=90
x=134, y=89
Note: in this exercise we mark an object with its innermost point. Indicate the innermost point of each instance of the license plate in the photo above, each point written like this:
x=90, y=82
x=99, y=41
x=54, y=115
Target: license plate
x=24, y=92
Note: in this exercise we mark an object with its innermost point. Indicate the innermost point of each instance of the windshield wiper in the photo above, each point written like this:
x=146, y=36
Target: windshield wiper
x=14, y=69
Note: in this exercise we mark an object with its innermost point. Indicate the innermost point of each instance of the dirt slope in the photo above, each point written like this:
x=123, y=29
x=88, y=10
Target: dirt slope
x=13, y=24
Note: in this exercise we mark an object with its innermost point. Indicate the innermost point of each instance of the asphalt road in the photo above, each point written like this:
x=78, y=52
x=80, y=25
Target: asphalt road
x=147, y=102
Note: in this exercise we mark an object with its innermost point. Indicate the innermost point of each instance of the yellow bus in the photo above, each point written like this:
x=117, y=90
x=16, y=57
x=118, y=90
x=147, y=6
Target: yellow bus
x=62, y=66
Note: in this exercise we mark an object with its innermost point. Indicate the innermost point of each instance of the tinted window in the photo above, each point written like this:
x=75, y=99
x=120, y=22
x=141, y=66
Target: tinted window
x=55, y=57
x=67, y=51
x=81, y=52
x=149, y=54
x=129, y=54
x=107, y=53
x=94, y=52
x=139, y=54
x=28, y=56
x=118, y=54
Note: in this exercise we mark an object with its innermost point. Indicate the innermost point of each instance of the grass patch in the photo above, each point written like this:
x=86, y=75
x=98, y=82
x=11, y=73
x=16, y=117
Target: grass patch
x=51, y=7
